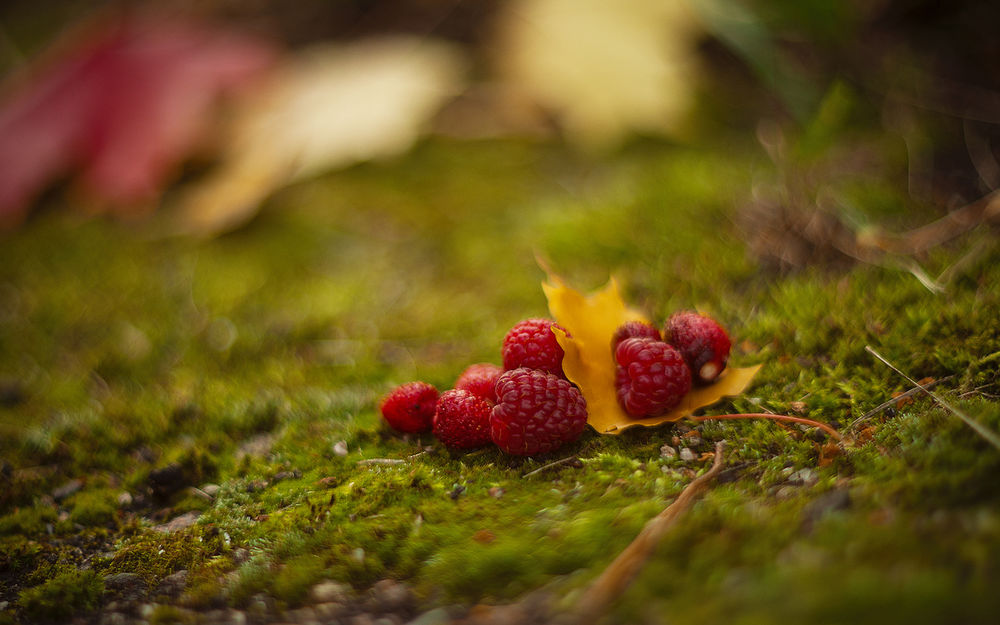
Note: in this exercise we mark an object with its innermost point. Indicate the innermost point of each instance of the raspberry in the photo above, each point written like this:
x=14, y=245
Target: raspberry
x=634, y=330
x=479, y=379
x=651, y=377
x=702, y=341
x=410, y=407
x=532, y=344
x=536, y=412
x=462, y=420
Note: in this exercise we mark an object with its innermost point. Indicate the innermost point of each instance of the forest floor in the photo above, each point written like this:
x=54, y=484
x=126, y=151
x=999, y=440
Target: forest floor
x=187, y=427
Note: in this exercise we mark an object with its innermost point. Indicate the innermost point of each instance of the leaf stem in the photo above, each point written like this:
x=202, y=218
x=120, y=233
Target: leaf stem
x=774, y=417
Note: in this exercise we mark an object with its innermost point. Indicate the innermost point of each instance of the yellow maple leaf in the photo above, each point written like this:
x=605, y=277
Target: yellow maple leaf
x=591, y=321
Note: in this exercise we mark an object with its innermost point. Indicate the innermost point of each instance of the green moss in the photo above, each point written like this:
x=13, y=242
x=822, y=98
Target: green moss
x=252, y=577
x=296, y=577
x=27, y=521
x=62, y=596
x=171, y=615
x=245, y=359
x=93, y=507
x=153, y=555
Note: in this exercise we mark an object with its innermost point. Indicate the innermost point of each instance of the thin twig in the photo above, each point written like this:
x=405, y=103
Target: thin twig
x=388, y=461
x=774, y=417
x=895, y=400
x=620, y=573
x=992, y=437
x=549, y=466
x=979, y=391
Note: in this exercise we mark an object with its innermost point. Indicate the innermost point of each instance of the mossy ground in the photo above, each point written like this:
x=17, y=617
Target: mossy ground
x=244, y=360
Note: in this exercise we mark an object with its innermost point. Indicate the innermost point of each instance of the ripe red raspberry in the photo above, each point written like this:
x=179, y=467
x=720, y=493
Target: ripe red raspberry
x=410, y=407
x=702, y=341
x=479, y=379
x=651, y=377
x=634, y=330
x=536, y=412
x=532, y=344
x=462, y=420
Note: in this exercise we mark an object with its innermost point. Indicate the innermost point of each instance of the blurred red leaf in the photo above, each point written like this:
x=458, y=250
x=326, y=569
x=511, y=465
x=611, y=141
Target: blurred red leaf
x=121, y=100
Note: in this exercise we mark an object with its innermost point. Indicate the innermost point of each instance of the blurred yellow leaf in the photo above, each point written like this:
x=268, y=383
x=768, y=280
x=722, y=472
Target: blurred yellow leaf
x=603, y=69
x=591, y=321
x=326, y=107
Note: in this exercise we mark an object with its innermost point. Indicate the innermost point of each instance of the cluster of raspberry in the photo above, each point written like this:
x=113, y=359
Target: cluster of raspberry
x=528, y=407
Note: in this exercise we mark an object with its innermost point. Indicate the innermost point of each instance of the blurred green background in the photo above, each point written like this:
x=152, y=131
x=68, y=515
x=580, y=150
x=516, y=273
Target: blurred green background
x=139, y=367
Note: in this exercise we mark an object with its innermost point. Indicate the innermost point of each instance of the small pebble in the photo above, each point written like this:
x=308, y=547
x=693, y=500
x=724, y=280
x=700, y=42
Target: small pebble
x=172, y=585
x=327, y=612
x=178, y=523
x=803, y=477
x=668, y=452
x=127, y=586
x=236, y=617
x=67, y=489
x=211, y=490
x=302, y=615
x=686, y=454
x=496, y=492
x=388, y=595
x=786, y=492
x=257, y=485
x=340, y=448
x=124, y=500
x=328, y=592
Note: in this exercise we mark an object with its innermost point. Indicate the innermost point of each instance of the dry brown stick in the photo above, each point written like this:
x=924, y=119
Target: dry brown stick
x=620, y=573
x=772, y=417
x=937, y=232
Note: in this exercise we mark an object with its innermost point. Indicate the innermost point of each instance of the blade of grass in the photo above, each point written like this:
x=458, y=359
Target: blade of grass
x=982, y=430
